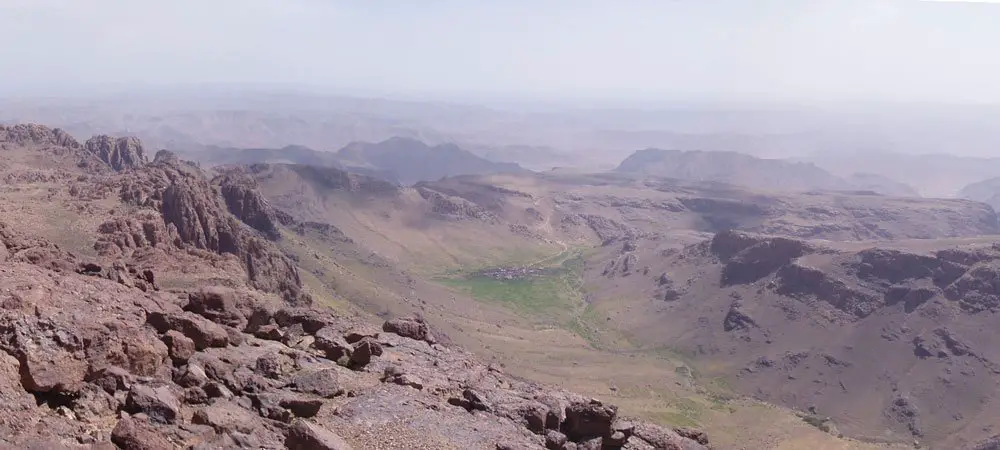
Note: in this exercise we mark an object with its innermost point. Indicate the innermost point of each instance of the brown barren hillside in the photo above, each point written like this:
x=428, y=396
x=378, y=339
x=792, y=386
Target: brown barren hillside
x=147, y=306
x=892, y=340
x=639, y=230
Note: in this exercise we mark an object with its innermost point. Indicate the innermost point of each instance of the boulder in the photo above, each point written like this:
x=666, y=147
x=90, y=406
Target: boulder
x=159, y=403
x=225, y=417
x=589, y=420
x=180, y=347
x=665, y=438
x=204, y=333
x=693, y=434
x=311, y=320
x=131, y=434
x=274, y=365
x=51, y=369
x=12, y=394
x=146, y=354
x=191, y=375
x=555, y=440
x=360, y=332
x=305, y=435
x=363, y=352
x=286, y=406
x=324, y=383
x=413, y=328
x=217, y=304
x=329, y=340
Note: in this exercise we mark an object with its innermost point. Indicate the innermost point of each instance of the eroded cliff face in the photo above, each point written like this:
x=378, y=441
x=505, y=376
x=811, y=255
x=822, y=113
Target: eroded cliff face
x=195, y=214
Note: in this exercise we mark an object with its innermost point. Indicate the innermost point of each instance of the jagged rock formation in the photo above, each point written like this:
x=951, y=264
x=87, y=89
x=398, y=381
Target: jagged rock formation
x=32, y=134
x=750, y=258
x=193, y=214
x=120, y=153
x=245, y=201
x=454, y=208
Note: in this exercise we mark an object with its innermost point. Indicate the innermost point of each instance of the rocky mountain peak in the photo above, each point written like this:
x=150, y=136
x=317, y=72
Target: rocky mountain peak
x=195, y=215
x=244, y=200
x=120, y=153
x=166, y=157
x=33, y=134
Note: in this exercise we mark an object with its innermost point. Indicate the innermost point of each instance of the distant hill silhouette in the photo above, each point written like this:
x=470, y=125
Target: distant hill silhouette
x=400, y=160
x=411, y=161
x=731, y=167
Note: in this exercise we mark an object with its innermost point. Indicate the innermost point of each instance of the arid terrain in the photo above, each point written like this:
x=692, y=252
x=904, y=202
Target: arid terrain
x=499, y=225
x=279, y=305
x=630, y=273
x=148, y=306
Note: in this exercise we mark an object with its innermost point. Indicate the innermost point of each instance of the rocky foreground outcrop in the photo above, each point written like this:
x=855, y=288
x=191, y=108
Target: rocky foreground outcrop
x=186, y=328
x=178, y=207
x=89, y=360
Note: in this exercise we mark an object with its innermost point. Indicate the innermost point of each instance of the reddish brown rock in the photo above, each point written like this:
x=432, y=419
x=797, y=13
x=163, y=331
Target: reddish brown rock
x=324, y=382
x=588, y=420
x=204, y=333
x=159, y=403
x=413, y=328
x=130, y=434
x=364, y=351
x=121, y=153
x=305, y=435
x=217, y=304
x=180, y=347
x=46, y=369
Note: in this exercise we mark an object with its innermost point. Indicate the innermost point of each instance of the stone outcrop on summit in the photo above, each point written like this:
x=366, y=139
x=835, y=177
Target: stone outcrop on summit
x=121, y=153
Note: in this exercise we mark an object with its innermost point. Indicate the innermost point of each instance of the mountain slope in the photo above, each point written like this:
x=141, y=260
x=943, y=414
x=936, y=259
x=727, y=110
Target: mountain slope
x=411, y=161
x=731, y=167
x=986, y=191
x=399, y=160
x=933, y=175
x=892, y=340
x=880, y=184
x=171, y=320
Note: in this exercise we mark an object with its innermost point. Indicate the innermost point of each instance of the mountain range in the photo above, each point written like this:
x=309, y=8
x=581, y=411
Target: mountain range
x=746, y=170
x=400, y=160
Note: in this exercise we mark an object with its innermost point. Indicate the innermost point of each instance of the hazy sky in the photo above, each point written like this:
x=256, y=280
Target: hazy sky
x=634, y=49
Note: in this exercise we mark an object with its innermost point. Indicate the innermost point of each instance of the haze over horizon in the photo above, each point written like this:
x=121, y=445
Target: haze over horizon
x=892, y=50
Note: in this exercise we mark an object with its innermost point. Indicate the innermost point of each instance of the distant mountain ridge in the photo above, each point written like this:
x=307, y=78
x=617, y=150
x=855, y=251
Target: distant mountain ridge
x=933, y=175
x=750, y=171
x=412, y=161
x=399, y=160
x=986, y=191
